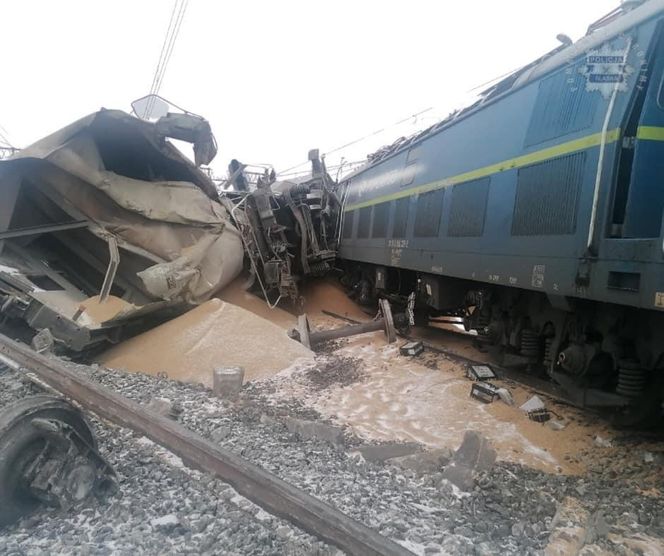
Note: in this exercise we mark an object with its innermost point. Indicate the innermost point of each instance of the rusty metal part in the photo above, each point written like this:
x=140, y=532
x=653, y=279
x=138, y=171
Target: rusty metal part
x=340, y=317
x=114, y=262
x=265, y=489
x=47, y=455
x=309, y=339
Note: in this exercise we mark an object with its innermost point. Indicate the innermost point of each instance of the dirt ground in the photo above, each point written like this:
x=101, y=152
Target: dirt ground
x=379, y=394
x=214, y=334
x=426, y=398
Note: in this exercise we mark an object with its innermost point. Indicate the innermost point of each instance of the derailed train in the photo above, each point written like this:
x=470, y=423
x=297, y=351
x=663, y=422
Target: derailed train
x=536, y=215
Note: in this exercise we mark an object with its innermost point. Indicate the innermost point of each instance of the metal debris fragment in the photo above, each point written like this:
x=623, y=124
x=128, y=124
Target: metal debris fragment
x=484, y=391
x=480, y=372
x=412, y=348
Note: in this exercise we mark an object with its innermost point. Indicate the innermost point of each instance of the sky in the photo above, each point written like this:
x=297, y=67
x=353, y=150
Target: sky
x=274, y=78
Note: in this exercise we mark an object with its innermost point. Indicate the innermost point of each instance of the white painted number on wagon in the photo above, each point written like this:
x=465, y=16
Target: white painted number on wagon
x=659, y=299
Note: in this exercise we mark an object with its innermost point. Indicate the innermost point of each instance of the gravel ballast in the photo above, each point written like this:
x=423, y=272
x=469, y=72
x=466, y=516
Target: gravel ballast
x=163, y=507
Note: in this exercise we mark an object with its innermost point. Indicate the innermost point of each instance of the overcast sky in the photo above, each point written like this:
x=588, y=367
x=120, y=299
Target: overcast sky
x=274, y=78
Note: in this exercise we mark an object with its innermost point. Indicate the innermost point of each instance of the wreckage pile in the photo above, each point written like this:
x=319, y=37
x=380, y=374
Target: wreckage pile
x=403, y=492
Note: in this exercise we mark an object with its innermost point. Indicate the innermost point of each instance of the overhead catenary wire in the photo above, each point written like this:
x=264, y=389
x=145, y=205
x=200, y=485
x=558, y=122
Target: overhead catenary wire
x=172, y=33
x=363, y=138
x=169, y=52
x=161, y=56
x=4, y=137
x=329, y=168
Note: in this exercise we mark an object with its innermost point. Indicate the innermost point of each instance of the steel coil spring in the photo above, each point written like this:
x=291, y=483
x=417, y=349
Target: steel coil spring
x=632, y=378
x=548, y=351
x=530, y=343
x=482, y=327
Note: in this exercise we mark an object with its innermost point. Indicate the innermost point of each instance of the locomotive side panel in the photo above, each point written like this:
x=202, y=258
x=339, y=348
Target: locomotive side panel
x=536, y=216
x=512, y=184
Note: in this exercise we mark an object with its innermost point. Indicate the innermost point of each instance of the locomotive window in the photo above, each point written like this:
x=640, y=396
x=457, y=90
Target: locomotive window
x=400, y=217
x=364, y=224
x=429, y=209
x=349, y=220
x=379, y=227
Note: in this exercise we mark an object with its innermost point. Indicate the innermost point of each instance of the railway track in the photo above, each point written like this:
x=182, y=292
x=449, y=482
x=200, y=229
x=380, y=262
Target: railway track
x=534, y=383
x=261, y=487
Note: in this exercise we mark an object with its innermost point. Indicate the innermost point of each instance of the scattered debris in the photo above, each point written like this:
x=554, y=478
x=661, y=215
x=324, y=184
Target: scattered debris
x=602, y=442
x=227, y=381
x=411, y=348
x=460, y=476
x=315, y=430
x=384, y=452
x=539, y=415
x=335, y=370
x=506, y=396
x=474, y=455
x=43, y=341
x=480, y=372
x=311, y=338
x=475, y=452
x=533, y=404
x=484, y=391
x=556, y=424
x=568, y=531
x=432, y=461
x=418, y=511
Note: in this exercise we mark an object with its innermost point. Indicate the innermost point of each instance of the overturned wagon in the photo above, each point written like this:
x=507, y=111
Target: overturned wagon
x=107, y=208
x=106, y=228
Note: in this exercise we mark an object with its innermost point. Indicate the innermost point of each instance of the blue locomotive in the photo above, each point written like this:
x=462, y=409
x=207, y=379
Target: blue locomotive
x=536, y=215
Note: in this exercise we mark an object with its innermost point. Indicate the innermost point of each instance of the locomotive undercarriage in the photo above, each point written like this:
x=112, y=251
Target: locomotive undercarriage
x=603, y=355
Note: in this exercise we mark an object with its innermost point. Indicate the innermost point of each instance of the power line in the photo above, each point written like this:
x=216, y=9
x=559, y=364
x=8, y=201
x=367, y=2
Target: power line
x=329, y=168
x=161, y=58
x=172, y=33
x=3, y=137
x=176, y=32
x=354, y=142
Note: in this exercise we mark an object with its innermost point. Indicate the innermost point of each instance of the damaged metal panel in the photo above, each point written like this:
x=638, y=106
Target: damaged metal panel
x=110, y=177
x=288, y=227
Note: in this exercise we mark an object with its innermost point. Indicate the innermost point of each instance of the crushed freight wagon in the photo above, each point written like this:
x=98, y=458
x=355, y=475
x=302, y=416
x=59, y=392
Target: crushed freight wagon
x=106, y=228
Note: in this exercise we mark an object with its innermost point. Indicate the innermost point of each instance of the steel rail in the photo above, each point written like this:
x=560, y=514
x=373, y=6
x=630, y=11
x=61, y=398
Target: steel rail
x=537, y=385
x=265, y=489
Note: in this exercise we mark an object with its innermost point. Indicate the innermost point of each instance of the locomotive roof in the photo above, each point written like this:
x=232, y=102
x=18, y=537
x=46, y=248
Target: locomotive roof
x=611, y=25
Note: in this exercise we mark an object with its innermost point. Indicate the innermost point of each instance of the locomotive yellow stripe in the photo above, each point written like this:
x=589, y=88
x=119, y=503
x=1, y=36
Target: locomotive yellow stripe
x=650, y=133
x=568, y=147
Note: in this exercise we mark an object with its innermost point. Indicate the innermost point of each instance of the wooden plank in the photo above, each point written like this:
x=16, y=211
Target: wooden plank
x=265, y=489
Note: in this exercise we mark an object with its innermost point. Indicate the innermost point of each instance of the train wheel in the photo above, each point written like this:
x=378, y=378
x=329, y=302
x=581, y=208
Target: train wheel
x=21, y=443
